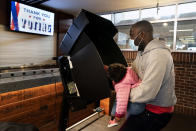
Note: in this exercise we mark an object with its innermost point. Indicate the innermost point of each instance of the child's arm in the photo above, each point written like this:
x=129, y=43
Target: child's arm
x=122, y=97
x=133, y=76
x=136, y=84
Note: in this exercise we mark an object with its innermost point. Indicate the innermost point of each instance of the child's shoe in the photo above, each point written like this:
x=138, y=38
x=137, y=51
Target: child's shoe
x=112, y=123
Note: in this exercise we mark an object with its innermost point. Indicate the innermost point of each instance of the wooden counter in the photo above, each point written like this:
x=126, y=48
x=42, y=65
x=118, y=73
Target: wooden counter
x=35, y=98
x=39, y=106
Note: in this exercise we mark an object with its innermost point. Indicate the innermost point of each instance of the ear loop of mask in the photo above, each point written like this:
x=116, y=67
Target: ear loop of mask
x=137, y=36
x=140, y=42
x=140, y=47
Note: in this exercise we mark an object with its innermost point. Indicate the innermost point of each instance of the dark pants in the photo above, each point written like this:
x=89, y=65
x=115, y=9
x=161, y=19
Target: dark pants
x=146, y=121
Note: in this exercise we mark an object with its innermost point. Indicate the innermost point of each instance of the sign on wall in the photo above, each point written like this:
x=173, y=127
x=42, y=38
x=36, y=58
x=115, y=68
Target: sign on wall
x=25, y=18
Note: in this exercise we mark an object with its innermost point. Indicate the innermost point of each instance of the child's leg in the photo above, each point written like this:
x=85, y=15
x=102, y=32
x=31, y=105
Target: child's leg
x=113, y=122
x=135, y=108
x=113, y=110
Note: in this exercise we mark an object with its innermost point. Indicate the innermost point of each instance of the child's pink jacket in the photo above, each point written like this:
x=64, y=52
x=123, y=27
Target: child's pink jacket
x=122, y=89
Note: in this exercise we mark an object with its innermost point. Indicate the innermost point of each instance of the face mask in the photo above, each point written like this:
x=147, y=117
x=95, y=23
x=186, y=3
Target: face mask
x=141, y=45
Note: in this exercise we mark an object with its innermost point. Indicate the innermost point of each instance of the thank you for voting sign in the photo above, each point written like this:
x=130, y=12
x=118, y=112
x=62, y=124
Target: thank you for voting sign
x=29, y=19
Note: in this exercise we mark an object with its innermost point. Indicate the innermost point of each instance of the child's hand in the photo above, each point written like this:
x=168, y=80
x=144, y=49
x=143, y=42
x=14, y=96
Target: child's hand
x=137, y=84
x=106, y=67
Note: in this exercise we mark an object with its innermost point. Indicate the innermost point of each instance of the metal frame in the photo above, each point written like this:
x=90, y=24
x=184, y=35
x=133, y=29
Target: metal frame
x=175, y=29
x=83, y=120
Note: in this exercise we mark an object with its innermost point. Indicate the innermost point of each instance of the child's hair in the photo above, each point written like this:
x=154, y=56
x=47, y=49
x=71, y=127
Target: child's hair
x=117, y=71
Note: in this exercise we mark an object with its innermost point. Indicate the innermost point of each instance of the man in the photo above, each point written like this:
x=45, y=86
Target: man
x=154, y=65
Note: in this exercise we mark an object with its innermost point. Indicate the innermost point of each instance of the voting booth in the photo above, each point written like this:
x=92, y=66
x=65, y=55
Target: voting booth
x=87, y=46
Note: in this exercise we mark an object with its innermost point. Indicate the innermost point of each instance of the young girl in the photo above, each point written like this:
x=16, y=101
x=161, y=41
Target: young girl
x=123, y=78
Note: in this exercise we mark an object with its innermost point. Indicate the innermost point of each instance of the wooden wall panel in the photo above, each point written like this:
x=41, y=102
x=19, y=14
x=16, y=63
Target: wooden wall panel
x=10, y=97
x=74, y=117
x=3, y=12
x=39, y=106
